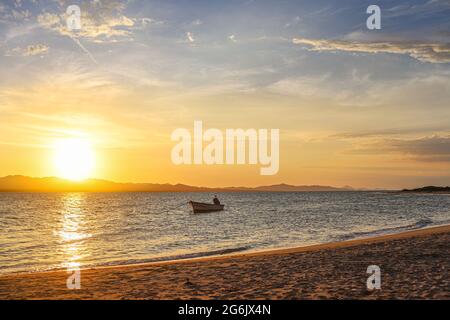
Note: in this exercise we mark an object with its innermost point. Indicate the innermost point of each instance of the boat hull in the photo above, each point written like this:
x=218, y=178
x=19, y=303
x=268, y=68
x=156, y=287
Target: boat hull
x=200, y=207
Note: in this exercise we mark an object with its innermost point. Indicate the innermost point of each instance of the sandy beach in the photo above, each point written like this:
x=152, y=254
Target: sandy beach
x=414, y=265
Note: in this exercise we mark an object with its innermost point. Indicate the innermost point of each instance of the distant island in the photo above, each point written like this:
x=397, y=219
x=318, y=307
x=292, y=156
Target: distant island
x=429, y=189
x=18, y=183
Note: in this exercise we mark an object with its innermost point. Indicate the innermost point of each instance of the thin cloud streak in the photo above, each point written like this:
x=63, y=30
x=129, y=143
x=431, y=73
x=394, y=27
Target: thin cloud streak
x=434, y=148
x=88, y=53
x=426, y=52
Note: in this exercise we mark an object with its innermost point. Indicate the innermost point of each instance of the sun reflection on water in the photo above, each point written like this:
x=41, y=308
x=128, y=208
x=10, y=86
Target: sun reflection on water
x=71, y=231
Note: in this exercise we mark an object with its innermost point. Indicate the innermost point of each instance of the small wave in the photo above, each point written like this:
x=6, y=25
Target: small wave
x=135, y=261
x=179, y=257
x=422, y=223
x=170, y=258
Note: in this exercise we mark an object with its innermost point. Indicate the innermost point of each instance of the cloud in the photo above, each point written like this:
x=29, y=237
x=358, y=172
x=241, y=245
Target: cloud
x=383, y=132
x=427, y=52
x=14, y=15
x=430, y=147
x=49, y=20
x=91, y=29
x=101, y=21
x=293, y=22
x=434, y=148
x=150, y=21
x=31, y=50
x=84, y=49
x=190, y=37
x=37, y=49
x=232, y=38
x=312, y=86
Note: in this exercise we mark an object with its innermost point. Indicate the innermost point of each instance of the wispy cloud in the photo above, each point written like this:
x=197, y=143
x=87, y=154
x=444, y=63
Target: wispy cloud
x=37, y=49
x=149, y=21
x=91, y=29
x=232, y=38
x=427, y=52
x=31, y=50
x=100, y=21
x=434, y=148
x=308, y=86
x=293, y=22
x=86, y=51
x=14, y=12
x=190, y=37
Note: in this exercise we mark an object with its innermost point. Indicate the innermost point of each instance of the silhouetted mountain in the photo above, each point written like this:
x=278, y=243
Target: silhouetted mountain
x=52, y=184
x=289, y=188
x=429, y=189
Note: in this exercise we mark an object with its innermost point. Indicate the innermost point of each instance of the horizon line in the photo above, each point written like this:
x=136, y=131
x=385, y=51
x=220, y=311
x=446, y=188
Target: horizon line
x=87, y=180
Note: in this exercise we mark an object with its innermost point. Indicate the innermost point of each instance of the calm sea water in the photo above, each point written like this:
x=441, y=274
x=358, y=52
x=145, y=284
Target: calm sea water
x=41, y=231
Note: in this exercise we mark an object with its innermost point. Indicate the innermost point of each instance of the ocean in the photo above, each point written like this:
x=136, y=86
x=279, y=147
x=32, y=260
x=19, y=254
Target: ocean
x=45, y=231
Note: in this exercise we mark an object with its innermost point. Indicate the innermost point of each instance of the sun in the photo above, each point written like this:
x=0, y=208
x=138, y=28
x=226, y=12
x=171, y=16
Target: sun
x=74, y=158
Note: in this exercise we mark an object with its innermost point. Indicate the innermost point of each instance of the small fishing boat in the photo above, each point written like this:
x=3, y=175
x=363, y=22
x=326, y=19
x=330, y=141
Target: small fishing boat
x=200, y=207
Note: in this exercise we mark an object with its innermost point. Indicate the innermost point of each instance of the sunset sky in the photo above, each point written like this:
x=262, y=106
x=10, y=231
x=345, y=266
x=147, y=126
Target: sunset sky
x=354, y=106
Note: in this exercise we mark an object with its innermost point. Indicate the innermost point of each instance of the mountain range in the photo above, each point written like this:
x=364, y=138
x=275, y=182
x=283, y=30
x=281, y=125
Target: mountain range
x=429, y=189
x=20, y=183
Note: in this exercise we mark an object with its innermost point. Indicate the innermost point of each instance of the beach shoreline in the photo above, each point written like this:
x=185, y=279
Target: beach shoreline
x=416, y=259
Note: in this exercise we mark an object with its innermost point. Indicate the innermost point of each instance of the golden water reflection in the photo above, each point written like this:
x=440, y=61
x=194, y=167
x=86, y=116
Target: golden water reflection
x=71, y=233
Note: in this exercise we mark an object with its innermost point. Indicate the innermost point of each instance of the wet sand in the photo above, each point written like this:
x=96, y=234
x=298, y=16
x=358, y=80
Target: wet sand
x=414, y=265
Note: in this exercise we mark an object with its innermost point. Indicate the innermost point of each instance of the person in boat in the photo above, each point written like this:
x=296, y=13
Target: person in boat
x=216, y=200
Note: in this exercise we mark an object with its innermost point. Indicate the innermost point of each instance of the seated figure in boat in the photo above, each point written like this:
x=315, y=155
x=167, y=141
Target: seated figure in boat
x=216, y=200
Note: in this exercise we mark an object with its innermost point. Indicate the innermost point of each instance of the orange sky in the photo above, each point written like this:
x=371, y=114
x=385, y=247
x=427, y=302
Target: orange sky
x=370, y=118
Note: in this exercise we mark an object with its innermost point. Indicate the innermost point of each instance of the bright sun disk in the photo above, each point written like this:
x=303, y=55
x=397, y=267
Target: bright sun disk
x=74, y=158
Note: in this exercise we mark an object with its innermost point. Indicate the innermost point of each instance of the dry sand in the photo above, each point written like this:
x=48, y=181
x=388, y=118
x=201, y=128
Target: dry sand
x=414, y=265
